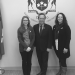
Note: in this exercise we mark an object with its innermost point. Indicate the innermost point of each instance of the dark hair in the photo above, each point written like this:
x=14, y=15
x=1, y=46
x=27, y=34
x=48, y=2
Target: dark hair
x=22, y=21
x=64, y=19
x=41, y=14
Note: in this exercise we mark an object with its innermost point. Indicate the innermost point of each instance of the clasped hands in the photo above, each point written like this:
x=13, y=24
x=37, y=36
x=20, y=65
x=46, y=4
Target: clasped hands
x=48, y=50
x=28, y=49
x=65, y=50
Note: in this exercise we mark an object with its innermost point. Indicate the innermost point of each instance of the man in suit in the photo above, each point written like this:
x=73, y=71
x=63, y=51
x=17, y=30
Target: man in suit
x=43, y=42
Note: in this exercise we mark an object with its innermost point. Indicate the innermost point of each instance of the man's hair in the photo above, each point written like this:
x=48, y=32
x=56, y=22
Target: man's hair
x=41, y=14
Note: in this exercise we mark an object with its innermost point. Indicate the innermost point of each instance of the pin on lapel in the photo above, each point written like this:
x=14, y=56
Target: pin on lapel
x=62, y=28
x=54, y=28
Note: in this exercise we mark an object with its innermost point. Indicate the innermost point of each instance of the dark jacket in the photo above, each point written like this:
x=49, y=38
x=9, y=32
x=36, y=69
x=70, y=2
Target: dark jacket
x=43, y=41
x=22, y=45
x=64, y=37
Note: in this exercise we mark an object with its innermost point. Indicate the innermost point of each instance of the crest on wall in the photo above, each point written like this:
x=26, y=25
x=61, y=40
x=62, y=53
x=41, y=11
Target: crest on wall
x=42, y=5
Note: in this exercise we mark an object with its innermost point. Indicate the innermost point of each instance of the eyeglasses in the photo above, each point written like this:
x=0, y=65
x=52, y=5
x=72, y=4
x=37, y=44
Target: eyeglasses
x=25, y=20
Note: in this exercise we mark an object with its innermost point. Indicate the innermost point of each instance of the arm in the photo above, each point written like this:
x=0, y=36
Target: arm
x=33, y=38
x=50, y=38
x=68, y=36
x=34, y=33
x=53, y=42
x=20, y=40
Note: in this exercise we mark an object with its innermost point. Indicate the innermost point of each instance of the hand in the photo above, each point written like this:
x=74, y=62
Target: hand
x=48, y=49
x=65, y=50
x=28, y=49
x=1, y=39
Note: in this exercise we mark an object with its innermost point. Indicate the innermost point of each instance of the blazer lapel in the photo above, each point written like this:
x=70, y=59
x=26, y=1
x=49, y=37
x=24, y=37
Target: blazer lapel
x=43, y=29
x=38, y=29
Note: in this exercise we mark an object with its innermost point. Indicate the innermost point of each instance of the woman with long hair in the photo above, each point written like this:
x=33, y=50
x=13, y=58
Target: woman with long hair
x=26, y=39
x=61, y=41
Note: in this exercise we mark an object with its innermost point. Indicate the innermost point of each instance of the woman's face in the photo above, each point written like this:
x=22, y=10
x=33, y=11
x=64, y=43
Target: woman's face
x=60, y=18
x=25, y=21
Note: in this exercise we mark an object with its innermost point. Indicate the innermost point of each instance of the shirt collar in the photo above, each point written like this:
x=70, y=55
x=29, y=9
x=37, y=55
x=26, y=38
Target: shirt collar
x=42, y=25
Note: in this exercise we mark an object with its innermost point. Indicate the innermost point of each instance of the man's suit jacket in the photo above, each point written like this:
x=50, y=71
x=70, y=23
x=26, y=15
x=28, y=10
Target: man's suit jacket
x=43, y=41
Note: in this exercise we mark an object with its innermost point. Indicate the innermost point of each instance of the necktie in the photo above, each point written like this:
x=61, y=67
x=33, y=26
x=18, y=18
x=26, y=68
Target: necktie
x=40, y=29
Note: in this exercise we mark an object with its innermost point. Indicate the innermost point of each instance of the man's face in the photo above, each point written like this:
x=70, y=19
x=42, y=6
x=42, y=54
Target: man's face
x=41, y=19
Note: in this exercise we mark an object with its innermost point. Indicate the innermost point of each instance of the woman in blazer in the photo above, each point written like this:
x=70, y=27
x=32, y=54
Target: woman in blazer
x=61, y=41
x=26, y=39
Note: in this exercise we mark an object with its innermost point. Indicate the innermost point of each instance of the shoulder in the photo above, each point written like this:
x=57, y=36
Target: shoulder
x=35, y=25
x=67, y=27
x=48, y=26
x=19, y=29
x=31, y=28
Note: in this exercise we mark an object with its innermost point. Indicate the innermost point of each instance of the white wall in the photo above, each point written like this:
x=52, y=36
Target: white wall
x=12, y=12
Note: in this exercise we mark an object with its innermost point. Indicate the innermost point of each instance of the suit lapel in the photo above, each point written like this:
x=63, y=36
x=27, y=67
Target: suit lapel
x=43, y=29
x=38, y=29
